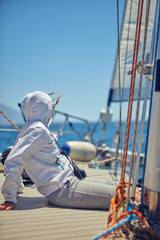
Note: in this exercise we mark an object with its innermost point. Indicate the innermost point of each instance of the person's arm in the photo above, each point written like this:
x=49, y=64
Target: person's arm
x=10, y=205
x=13, y=169
x=28, y=143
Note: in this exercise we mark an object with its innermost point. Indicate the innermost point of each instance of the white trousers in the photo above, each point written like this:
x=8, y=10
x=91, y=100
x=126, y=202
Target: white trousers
x=89, y=193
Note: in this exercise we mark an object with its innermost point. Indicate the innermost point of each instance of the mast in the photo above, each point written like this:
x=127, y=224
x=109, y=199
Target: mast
x=152, y=172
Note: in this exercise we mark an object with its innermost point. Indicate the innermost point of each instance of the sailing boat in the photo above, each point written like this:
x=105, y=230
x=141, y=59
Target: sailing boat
x=115, y=95
x=150, y=69
x=146, y=86
x=151, y=175
x=151, y=186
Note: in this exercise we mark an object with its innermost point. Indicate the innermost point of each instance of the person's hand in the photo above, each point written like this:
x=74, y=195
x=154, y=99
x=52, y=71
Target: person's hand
x=7, y=206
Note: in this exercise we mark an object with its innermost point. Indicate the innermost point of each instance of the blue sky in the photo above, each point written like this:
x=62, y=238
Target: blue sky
x=66, y=46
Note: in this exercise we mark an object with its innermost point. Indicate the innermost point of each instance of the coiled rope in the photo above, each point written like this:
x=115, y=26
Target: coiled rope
x=116, y=226
x=130, y=215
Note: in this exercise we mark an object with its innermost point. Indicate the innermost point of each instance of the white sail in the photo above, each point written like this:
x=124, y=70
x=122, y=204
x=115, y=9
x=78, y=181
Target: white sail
x=127, y=47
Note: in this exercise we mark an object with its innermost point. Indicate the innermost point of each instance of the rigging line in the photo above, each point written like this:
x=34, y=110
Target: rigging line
x=134, y=73
x=133, y=63
x=137, y=157
x=73, y=128
x=116, y=154
x=126, y=137
x=120, y=104
x=126, y=54
x=9, y=120
x=138, y=102
x=150, y=107
x=135, y=58
x=124, y=72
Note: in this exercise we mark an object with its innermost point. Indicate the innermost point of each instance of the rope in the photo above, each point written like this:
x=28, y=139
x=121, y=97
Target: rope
x=130, y=216
x=150, y=107
x=141, y=218
x=126, y=54
x=131, y=94
x=116, y=203
x=56, y=98
x=124, y=73
x=99, y=162
x=119, y=197
x=119, y=78
x=138, y=101
x=116, y=226
x=9, y=120
x=120, y=104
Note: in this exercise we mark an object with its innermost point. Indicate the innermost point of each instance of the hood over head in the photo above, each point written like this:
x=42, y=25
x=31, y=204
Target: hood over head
x=38, y=106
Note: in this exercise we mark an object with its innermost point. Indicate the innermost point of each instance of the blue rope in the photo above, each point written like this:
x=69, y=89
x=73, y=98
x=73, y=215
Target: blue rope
x=118, y=225
x=150, y=107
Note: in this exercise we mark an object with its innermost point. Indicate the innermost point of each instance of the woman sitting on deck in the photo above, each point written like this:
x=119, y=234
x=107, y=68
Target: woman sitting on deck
x=35, y=150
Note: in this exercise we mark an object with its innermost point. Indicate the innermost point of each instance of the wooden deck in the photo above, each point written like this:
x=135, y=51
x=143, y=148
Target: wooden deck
x=34, y=219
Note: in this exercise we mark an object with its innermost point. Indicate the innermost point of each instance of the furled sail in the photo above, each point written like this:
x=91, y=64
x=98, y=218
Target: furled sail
x=126, y=50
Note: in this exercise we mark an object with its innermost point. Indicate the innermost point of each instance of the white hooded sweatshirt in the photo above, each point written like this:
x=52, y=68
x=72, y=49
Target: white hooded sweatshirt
x=36, y=151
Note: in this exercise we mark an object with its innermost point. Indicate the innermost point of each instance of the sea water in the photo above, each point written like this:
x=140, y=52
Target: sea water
x=78, y=132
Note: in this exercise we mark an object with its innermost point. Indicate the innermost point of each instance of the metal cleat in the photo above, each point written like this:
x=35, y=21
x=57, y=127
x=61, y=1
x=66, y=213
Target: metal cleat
x=145, y=70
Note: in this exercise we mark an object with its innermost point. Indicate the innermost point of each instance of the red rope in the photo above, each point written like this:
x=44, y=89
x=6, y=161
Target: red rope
x=119, y=197
x=132, y=86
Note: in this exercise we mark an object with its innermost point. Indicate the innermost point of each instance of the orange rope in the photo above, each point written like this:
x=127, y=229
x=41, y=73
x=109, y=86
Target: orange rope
x=134, y=212
x=141, y=218
x=116, y=203
x=119, y=197
x=131, y=94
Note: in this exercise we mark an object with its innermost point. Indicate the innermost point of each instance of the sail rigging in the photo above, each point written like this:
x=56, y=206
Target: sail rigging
x=126, y=51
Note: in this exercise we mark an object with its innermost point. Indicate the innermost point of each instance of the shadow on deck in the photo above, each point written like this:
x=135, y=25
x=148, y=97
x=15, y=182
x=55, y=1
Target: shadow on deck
x=34, y=219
